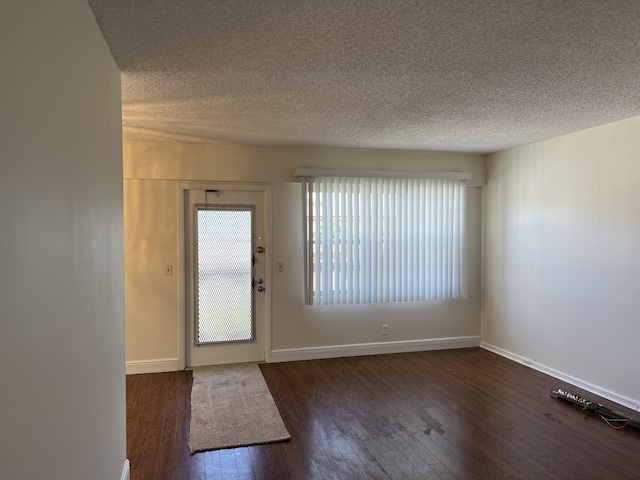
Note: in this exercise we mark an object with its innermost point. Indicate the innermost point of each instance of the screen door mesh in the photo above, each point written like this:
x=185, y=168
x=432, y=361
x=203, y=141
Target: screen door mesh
x=224, y=273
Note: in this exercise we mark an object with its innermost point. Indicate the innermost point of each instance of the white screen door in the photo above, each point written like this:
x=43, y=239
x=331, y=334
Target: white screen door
x=226, y=270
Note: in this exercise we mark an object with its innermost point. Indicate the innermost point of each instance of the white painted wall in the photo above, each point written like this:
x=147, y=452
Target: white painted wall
x=562, y=258
x=152, y=173
x=62, y=400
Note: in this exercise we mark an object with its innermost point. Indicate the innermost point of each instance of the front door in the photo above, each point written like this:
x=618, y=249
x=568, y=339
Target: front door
x=226, y=270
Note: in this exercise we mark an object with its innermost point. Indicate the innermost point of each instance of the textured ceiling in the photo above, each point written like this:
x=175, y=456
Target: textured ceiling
x=451, y=75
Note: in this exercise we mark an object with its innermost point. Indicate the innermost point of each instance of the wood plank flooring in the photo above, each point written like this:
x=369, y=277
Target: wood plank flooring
x=453, y=414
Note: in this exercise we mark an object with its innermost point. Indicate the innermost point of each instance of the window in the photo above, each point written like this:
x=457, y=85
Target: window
x=383, y=238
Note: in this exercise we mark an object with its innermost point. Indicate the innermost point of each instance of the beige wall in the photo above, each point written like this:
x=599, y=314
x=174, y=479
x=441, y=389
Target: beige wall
x=62, y=413
x=562, y=232
x=152, y=174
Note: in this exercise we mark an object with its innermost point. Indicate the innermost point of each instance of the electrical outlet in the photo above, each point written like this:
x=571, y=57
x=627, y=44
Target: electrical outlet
x=385, y=329
x=280, y=267
x=168, y=270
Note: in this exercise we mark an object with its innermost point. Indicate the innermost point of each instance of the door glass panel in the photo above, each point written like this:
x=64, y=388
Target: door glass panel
x=224, y=273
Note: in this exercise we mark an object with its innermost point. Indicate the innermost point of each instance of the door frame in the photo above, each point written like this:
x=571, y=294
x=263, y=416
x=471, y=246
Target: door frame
x=182, y=189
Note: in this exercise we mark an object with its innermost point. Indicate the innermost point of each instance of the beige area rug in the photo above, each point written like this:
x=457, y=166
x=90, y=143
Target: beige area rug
x=231, y=406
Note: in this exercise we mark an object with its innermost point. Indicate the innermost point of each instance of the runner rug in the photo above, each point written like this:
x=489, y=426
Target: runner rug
x=231, y=406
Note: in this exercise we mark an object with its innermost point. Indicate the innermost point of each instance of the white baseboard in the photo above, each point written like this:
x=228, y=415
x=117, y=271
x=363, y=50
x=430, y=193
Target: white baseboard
x=152, y=366
x=505, y=353
x=125, y=470
x=358, y=349
x=602, y=392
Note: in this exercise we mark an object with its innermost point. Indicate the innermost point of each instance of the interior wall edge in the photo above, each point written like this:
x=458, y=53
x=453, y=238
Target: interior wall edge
x=180, y=161
x=623, y=400
x=161, y=365
x=377, y=348
x=126, y=470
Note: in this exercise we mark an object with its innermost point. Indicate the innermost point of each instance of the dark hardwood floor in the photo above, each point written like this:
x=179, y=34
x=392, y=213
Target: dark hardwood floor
x=453, y=414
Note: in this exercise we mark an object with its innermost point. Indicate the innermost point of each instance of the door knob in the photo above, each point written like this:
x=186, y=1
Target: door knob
x=260, y=288
x=260, y=249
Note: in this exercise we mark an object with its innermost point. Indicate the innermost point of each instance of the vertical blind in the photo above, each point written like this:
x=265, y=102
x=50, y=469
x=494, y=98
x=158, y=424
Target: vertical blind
x=373, y=240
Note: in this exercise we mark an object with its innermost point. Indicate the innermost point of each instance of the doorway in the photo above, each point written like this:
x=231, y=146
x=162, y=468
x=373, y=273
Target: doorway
x=225, y=251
